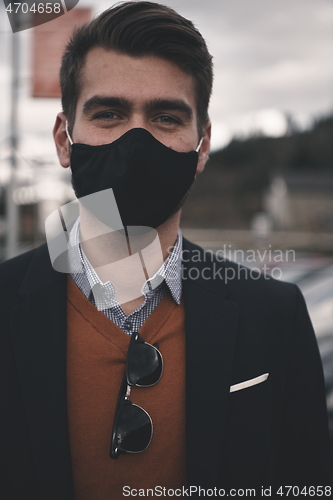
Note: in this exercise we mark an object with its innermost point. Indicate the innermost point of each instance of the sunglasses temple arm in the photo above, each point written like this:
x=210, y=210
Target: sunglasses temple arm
x=122, y=396
x=122, y=393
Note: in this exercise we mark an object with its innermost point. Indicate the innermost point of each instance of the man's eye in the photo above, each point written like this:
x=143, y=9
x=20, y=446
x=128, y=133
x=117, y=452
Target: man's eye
x=167, y=119
x=107, y=115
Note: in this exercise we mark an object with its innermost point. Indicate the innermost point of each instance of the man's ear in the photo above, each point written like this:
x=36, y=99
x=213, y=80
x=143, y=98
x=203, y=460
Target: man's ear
x=61, y=140
x=205, y=148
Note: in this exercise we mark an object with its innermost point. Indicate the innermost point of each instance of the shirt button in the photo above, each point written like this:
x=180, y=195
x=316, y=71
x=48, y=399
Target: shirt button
x=128, y=324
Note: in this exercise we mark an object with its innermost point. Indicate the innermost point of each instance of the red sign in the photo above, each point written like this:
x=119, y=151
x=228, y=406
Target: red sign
x=49, y=41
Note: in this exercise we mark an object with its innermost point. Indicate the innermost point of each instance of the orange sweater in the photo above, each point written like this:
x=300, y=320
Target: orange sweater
x=96, y=358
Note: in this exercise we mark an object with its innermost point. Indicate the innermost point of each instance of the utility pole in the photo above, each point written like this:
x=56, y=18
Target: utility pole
x=12, y=218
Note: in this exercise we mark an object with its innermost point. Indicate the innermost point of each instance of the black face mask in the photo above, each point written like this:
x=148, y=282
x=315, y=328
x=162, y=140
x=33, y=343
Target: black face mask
x=149, y=180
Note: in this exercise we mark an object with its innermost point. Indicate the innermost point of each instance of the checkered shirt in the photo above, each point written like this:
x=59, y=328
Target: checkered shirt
x=102, y=295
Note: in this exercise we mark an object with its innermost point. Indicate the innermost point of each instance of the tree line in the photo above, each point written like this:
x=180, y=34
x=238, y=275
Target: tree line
x=230, y=190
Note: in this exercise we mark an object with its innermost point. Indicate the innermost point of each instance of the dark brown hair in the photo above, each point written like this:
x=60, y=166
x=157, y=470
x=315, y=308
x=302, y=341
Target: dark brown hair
x=139, y=29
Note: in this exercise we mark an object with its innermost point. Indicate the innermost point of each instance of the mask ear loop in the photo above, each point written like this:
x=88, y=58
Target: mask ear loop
x=69, y=137
x=197, y=151
x=199, y=145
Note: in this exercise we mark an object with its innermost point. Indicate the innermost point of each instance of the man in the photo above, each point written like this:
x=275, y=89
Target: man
x=240, y=402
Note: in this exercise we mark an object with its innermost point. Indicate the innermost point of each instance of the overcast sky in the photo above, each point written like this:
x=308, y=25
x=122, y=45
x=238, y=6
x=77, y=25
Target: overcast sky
x=271, y=57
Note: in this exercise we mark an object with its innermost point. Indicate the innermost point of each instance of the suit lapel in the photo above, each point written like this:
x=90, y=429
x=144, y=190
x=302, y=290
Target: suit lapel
x=39, y=339
x=211, y=326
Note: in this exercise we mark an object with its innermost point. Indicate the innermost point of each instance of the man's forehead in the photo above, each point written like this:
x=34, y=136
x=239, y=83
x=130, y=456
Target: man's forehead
x=107, y=72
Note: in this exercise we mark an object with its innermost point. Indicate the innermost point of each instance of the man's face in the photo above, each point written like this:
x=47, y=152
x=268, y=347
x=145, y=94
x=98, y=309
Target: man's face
x=119, y=92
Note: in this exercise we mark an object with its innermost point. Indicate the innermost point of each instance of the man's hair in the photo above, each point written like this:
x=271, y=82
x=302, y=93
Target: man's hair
x=139, y=29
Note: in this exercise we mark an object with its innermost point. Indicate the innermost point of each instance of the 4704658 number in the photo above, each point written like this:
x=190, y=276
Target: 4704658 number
x=306, y=491
x=48, y=8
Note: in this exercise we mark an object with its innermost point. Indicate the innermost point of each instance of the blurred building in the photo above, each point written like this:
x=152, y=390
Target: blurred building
x=302, y=202
x=41, y=187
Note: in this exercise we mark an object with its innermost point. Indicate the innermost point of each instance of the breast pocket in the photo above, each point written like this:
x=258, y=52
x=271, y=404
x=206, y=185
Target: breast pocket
x=250, y=397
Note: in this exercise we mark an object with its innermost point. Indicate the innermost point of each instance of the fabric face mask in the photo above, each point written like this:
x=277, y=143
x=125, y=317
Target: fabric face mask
x=149, y=180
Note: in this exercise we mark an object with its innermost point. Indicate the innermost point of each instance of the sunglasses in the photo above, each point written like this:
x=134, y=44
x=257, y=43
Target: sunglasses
x=133, y=426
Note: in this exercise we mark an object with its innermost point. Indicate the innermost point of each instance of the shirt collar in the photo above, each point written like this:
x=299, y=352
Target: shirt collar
x=170, y=272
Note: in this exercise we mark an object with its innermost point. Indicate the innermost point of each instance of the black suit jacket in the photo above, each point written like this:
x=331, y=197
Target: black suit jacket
x=274, y=433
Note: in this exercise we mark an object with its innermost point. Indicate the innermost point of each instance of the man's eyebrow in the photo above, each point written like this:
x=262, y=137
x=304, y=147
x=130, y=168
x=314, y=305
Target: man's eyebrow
x=153, y=105
x=170, y=105
x=105, y=101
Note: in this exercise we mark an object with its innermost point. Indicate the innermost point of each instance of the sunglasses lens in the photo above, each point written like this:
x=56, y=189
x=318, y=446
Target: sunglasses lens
x=134, y=429
x=145, y=365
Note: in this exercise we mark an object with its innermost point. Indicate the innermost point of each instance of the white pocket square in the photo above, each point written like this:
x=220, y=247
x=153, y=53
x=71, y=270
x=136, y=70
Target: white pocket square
x=249, y=383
